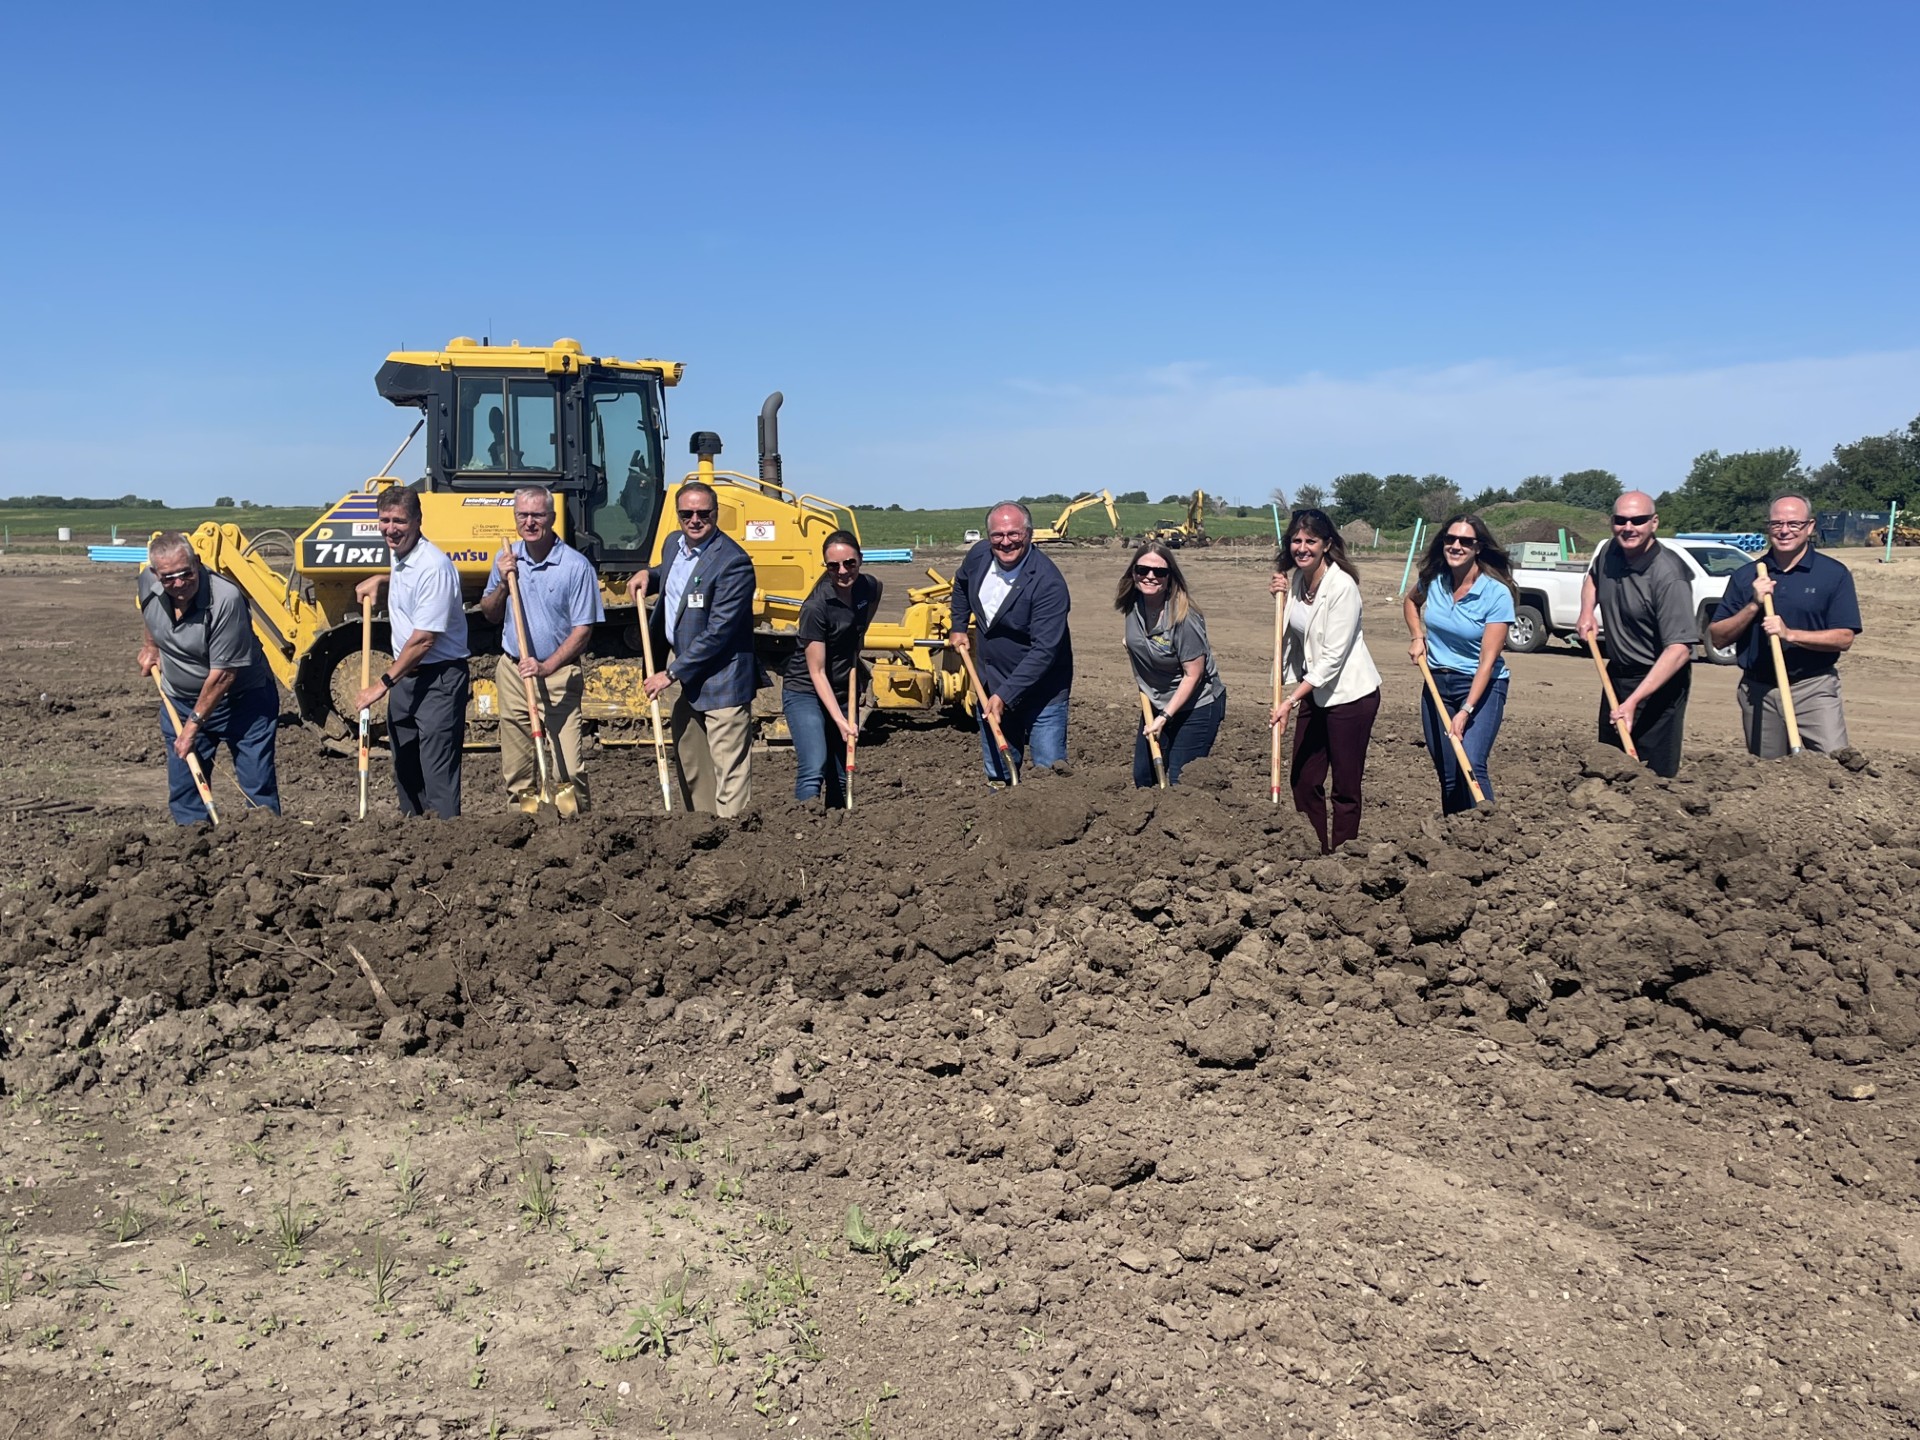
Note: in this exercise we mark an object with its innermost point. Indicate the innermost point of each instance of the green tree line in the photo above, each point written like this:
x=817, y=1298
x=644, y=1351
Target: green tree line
x=75, y=502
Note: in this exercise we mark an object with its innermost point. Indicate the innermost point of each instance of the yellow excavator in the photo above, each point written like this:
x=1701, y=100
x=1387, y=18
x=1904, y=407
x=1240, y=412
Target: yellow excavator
x=1057, y=532
x=592, y=429
x=1191, y=531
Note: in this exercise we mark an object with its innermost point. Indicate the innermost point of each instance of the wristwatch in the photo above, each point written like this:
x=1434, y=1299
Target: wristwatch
x=1466, y=710
x=386, y=680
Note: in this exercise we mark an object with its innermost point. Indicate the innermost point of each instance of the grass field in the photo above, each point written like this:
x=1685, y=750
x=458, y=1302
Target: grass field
x=131, y=525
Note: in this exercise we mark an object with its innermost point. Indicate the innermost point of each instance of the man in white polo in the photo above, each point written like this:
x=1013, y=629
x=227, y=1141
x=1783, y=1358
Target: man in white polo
x=427, y=684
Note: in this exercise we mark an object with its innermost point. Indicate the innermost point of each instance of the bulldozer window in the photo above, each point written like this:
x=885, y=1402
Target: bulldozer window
x=623, y=455
x=508, y=425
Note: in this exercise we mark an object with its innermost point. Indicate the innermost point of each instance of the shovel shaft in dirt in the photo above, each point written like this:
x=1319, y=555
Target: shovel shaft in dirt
x=853, y=724
x=653, y=705
x=366, y=680
x=533, y=696
x=1613, y=700
x=993, y=724
x=1279, y=683
x=1153, y=741
x=1446, y=724
x=1780, y=679
x=193, y=760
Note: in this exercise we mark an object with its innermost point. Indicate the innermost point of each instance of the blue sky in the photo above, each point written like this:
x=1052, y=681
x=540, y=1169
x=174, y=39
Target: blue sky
x=983, y=250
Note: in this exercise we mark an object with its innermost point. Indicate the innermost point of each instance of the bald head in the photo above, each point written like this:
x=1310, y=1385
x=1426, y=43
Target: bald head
x=1009, y=532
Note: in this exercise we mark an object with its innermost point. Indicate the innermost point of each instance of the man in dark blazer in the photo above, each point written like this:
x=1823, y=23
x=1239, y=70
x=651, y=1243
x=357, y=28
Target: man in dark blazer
x=1018, y=599
x=706, y=615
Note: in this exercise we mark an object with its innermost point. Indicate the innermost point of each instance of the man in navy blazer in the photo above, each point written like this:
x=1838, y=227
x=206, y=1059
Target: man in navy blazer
x=705, y=614
x=1019, y=600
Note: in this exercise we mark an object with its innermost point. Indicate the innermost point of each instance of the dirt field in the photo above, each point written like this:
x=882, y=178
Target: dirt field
x=1593, y=1116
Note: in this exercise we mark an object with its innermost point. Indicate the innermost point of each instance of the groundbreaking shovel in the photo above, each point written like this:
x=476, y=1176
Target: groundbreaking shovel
x=853, y=724
x=193, y=760
x=1780, y=677
x=1153, y=741
x=999, y=739
x=1480, y=801
x=543, y=747
x=366, y=682
x=653, y=702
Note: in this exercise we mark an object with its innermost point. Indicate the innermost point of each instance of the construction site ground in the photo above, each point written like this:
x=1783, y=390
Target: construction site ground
x=1595, y=1115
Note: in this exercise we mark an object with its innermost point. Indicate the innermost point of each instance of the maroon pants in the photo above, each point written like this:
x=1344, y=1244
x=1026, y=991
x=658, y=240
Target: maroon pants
x=1335, y=737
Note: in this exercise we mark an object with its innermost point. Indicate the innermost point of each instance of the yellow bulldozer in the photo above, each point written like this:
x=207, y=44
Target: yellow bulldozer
x=1056, y=533
x=1191, y=531
x=591, y=429
x=1902, y=535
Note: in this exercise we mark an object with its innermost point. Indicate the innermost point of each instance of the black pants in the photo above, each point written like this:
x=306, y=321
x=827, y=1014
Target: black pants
x=1333, y=739
x=1657, y=725
x=427, y=728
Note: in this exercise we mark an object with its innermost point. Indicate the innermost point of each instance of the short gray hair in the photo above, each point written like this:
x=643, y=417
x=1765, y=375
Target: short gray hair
x=1791, y=495
x=1026, y=515
x=168, y=542
x=536, y=492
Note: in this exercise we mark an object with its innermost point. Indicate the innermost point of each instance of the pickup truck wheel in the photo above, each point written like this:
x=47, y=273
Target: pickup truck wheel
x=1528, y=631
x=1726, y=655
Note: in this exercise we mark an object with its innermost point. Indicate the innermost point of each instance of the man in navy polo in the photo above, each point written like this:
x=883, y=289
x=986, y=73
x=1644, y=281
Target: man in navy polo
x=561, y=595
x=1019, y=600
x=1816, y=616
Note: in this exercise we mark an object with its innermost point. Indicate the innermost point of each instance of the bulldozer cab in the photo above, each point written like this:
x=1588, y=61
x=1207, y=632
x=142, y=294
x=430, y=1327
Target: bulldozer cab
x=589, y=429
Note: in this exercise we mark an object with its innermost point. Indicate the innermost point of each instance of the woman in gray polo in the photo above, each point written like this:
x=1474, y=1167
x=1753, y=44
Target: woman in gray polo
x=1172, y=663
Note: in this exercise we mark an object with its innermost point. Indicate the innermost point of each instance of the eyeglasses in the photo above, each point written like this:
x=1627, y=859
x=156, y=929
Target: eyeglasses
x=1463, y=542
x=706, y=514
x=842, y=566
x=1007, y=537
x=174, y=577
x=1789, y=524
x=1150, y=572
x=530, y=515
x=1633, y=519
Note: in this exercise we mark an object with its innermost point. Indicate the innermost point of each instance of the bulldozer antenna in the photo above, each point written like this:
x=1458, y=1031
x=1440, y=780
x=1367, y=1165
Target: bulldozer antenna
x=394, y=458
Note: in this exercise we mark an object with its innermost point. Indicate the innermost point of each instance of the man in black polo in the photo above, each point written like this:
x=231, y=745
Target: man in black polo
x=1816, y=616
x=1645, y=593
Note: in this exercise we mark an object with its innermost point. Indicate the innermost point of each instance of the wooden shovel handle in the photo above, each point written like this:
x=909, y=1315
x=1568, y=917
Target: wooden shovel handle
x=1613, y=700
x=1780, y=678
x=980, y=694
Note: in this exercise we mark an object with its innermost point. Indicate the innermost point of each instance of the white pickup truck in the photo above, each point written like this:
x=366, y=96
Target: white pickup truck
x=1548, y=598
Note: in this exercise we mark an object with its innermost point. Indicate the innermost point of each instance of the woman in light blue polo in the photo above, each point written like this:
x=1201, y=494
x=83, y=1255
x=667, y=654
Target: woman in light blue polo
x=1463, y=603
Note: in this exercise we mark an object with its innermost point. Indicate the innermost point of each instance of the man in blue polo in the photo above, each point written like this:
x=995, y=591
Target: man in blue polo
x=200, y=637
x=427, y=684
x=1019, y=600
x=561, y=594
x=1816, y=616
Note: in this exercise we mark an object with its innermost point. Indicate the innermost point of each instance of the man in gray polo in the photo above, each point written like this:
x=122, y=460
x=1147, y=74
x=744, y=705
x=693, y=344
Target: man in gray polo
x=200, y=636
x=1645, y=594
x=561, y=596
x=427, y=684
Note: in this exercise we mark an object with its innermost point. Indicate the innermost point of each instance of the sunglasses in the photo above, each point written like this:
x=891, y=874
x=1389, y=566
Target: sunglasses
x=1150, y=572
x=1463, y=542
x=842, y=566
x=173, y=577
x=706, y=514
x=1633, y=519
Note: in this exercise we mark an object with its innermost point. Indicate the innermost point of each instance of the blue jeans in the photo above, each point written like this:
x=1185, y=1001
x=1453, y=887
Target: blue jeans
x=819, y=749
x=1045, y=734
x=246, y=722
x=1187, y=736
x=1483, y=726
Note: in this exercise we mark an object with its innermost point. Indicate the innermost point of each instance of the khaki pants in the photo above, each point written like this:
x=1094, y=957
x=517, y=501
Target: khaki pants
x=559, y=696
x=1816, y=711
x=710, y=751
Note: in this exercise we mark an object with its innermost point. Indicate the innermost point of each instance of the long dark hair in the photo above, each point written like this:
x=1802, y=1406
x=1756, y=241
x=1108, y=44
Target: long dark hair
x=1178, y=601
x=1314, y=522
x=1492, y=557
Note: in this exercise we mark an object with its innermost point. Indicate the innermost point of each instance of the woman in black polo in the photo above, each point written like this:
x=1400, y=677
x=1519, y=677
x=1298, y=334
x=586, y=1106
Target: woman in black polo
x=833, y=628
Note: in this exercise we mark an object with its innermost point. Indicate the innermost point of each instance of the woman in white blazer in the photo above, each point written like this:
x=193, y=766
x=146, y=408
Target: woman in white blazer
x=1331, y=679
